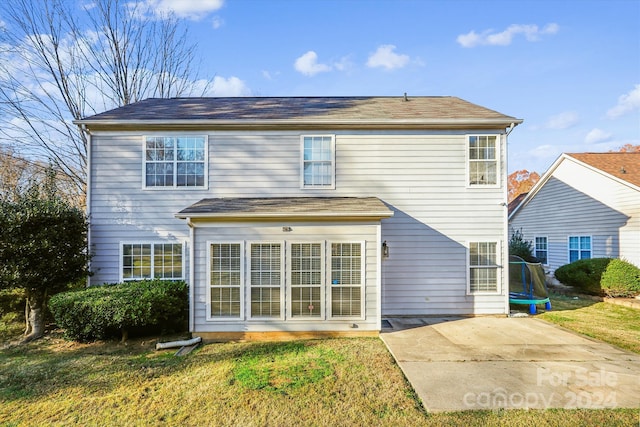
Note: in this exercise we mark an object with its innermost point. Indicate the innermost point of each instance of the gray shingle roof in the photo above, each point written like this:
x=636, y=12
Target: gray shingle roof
x=308, y=109
x=254, y=207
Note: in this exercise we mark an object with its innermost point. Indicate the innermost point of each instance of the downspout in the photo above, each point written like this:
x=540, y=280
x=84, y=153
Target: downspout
x=505, y=221
x=83, y=129
x=192, y=275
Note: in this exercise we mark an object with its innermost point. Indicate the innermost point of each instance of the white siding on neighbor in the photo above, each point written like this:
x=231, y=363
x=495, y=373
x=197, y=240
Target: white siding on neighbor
x=577, y=201
x=421, y=177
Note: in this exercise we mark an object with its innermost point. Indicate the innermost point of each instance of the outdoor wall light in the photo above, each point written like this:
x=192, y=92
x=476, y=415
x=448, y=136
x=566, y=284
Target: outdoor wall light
x=286, y=229
x=385, y=250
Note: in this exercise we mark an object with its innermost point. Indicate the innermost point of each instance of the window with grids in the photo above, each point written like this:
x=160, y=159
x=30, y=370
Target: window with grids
x=306, y=279
x=483, y=160
x=175, y=161
x=541, y=249
x=346, y=279
x=226, y=279
x=266, y=279
x=483, y=274
x=318, y=161
x=152, y=260
x=579, y=248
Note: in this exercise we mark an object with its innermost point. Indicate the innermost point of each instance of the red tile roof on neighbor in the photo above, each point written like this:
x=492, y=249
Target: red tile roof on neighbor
x=625, y=166
x=310, y=109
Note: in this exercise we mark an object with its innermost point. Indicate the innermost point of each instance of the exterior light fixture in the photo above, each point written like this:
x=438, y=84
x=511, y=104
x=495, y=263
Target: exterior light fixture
x=286, y=229
x=385, y=250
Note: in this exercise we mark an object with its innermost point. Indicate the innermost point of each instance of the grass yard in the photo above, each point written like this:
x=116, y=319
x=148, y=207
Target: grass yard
x=614, y=324
x=339, y=382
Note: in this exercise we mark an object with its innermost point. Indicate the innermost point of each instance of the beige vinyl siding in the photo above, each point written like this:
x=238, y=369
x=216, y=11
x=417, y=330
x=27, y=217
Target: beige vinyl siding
x=578, y=201
x=421, y=177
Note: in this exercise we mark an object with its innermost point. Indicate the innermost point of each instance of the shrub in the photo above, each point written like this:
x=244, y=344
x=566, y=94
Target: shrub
x=584, y=274
x=520, y=247
x=621, y=279
x=11, y=301
x=100, y=312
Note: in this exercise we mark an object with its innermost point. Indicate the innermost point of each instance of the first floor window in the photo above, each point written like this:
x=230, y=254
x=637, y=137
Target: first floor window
x=226, y=279
x=152, y=261
x=306, y=279
x=579, y=248
x=266, y=279
x=483, y=267
x=346, y=279
x=541, y=249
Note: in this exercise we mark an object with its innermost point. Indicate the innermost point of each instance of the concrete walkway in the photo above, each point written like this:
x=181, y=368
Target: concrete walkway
x=459, y=364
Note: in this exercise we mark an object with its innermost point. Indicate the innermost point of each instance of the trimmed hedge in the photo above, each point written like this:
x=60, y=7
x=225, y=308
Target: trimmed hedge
x=621, y=279
x=584, y=274
x=101, y=312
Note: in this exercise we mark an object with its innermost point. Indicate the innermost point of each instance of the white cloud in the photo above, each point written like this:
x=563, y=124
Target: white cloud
x=626, y=103
x=190, y=9
x=597, y=135
x=504, y=38
x=217, y=22
x=563, y=120
x=308, y=64
x=385, y=57
x=232, y=86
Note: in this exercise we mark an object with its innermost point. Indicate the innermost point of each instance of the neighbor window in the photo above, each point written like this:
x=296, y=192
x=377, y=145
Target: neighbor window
x=483, y=160
x=346, y=279
x=152, y=261
x=266, y=279
x=306, y=279
x=579, y=248
x=318, y=161
x=178, y=161
x=225, y=271
x=483, y=267
x=541, y=249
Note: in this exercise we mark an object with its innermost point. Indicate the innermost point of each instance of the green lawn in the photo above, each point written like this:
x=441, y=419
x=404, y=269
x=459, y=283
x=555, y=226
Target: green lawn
x=337, y=382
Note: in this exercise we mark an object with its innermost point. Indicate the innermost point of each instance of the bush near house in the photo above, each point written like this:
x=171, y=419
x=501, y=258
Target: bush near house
x=520, y=247
x=584, y=274
x=104, y=311
x=621, y=279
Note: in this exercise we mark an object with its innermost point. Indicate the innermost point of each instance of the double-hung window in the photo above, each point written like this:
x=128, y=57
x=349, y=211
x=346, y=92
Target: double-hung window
x=318, y=162
x=347, y=279
x=541, y=249
x=482, y=157
x=175, y=161
x=140, y=261
x=266, y=280
x=579, y=248
x=225, y=280
x=483, y=267
x=306, y=271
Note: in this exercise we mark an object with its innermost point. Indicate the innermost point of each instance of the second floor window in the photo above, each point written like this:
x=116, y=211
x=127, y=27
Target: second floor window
x=318, y=161
x=483, y=160
x=175, y=161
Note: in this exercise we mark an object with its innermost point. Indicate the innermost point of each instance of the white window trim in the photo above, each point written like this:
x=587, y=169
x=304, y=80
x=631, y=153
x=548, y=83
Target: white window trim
x=174, y=186
x=498, y=183
x=363, y=285
x=498, y=267
x=579, y=250
x=535, y=247
x=323, y=282
x=283, y=290
x=243, y=267
x=333, y=164
x=152, y=243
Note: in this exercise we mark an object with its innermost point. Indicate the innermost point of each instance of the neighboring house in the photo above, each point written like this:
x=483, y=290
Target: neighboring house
x=304, y=214
x=587, y=205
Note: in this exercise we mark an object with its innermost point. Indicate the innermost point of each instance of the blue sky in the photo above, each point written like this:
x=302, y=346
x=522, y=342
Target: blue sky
x=570, y=69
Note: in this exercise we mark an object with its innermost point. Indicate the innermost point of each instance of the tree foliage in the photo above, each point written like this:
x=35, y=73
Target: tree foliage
x=521, y=181
x=59, y=63
x=42, y=248
x=629, y=148
x=518, y=246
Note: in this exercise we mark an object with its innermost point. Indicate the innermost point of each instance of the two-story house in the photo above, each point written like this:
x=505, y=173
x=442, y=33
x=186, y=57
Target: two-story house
x=304, y=215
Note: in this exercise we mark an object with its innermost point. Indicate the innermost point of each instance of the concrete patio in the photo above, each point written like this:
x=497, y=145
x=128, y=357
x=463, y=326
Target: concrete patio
x=459, y=364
